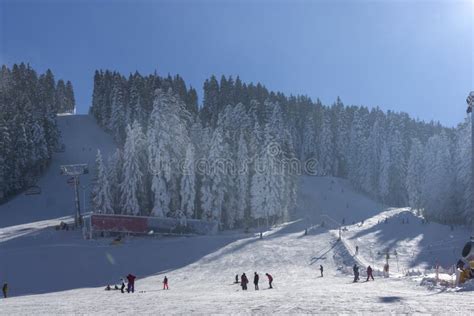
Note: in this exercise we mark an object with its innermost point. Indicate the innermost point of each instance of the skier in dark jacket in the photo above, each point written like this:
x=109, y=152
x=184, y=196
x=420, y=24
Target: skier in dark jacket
x=236, y=279
x=5, y=290
x=122, y=287
x=131, y=283
x=369, y=273
x=356, y=272
x=255, y=281
x=165, y=283
x=244, y=281
x=321, y=269
x=270, y=280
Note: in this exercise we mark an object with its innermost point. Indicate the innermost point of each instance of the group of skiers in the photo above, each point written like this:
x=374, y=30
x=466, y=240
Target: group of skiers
x=256, y=278
x=130, y=284
x=370, y=275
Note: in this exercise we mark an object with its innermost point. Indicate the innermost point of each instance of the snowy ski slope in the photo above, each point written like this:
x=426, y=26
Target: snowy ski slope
x=68, y=274
x=204, y=284
x=82, y=138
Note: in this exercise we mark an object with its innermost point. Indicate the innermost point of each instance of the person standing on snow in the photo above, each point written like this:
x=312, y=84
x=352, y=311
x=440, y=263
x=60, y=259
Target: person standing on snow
x=236, y=279
x=356, y=272
x=321, y=269
x=255, y=281
x=369, y=273
x=122, y=287
x=244, y=281
x=131, y=283
x=165, y=283
x=270, y=280
x=5, y=290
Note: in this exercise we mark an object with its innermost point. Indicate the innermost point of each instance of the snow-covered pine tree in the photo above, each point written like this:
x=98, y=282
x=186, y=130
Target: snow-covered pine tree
x=115, y=178
x=117, y=121
x=326, y=148
x=168, y=138
x=188, y=184
x=462, y=163
x=102, y=199
x=384, y=180
x=70, y=100
x=414, y=174
x=437, y=185
x=243, y=180
x=61, y=97
x=5, y=148
x=41, y=154
x=217, y=174
x=356, y=147
x=132, y=173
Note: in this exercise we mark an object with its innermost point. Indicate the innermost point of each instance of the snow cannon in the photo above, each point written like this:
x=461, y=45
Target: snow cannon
x=468, y=251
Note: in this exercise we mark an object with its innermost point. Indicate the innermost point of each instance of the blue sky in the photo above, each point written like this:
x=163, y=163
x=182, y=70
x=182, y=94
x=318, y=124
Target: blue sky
x=411, y=56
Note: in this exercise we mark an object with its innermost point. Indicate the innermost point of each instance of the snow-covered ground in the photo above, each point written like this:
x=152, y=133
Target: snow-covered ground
x=204, y=284
x=57, y=272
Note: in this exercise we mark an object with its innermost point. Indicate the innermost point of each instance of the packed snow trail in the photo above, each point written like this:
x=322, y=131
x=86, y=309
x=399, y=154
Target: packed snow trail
x=82, y=137
x=12, y=232
x=206, y=286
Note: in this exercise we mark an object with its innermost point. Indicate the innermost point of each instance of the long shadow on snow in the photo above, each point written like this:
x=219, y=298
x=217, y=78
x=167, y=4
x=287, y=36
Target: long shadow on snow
x=321, y=254
x=50, y=261
x=278, y=232
x=436, y=243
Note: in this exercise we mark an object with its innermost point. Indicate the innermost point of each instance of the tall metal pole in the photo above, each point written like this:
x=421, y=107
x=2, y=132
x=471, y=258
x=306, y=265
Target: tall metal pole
x=75, y=171
x=472, y=162
x=78, y=204
x=470, y=102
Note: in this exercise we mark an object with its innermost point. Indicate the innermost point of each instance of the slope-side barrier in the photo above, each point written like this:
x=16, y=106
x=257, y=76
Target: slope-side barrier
x=96, y=225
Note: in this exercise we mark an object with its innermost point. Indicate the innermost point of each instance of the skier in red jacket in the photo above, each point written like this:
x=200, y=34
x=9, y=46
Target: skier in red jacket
x=270, y=280
x=131, y=283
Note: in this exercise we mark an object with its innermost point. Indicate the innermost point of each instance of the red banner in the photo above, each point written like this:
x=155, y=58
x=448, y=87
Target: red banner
x=117, y=223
